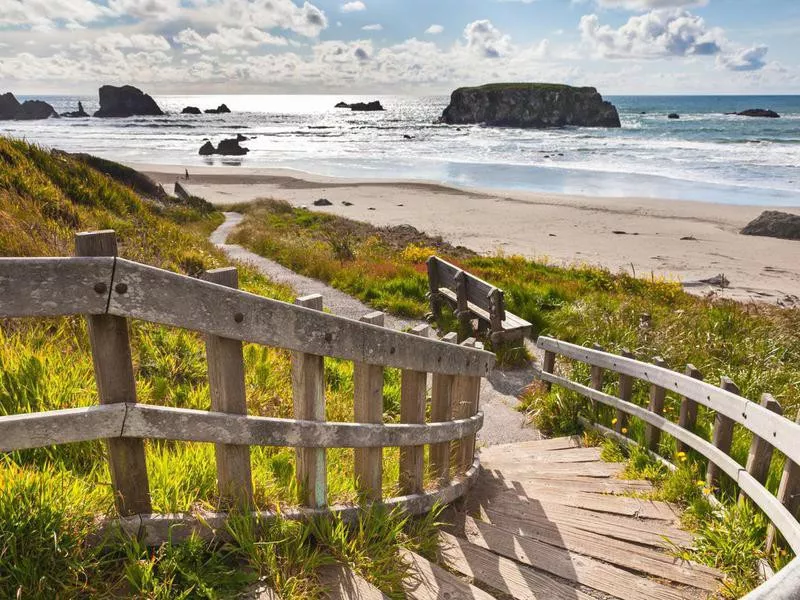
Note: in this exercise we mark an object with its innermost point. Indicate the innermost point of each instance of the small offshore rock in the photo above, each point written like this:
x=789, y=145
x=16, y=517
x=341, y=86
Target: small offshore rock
x=207, y=149
x=323, y=202
x=231, y=147
x=757, y=112
x=77, y=114
x=191, y=110
x=673, y=116
x=342, y=105
x=366, y=106
x=221, y=109
x=126, y=101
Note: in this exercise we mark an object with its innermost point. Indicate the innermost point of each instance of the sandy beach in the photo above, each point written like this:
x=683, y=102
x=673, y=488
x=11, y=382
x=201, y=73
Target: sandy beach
x=679, y=240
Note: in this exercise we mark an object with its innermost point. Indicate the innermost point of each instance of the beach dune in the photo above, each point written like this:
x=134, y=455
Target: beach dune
x=684, y=241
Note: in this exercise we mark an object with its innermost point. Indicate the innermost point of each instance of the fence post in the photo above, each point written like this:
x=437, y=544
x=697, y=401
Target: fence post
x=652, y=435
x=548, y=366
x=433, y=289
x=441, y=409
x=308, y=394
x=466, y=389
x=788, y=493
x=760, y=454
x=722, y=435
x=227, y=388
x=596, y=382
x=688, y=415
x=113, y=370
x=624, y=392
x=368, y=391
x=462, y=306
x=413, y=392
x=498, y=313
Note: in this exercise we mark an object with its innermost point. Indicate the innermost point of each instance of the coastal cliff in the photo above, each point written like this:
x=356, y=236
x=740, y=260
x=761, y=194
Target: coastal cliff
x=534, y=105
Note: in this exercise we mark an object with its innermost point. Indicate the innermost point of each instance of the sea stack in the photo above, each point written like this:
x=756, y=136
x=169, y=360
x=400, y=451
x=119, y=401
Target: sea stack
x=126, y=101
x=531, y=105
x=30, y=110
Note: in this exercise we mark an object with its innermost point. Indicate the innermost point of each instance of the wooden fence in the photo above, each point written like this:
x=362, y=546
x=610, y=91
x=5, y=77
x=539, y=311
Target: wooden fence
x=770, y=430
x=109, y=290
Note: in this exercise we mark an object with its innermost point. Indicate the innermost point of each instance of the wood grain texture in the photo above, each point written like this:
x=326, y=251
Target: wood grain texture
x=308, y=398
x=624, y=392
x=429, y=581
x=760, y=454
x=652, y=435
x=722, y=436
x=113, y=371
x=508, y=577
x=342, y=583
x=227, y=389
x=571, y=566
x=441, y=409
x=788, y=492
x=368, y=398
x=466, y=392
x=49, y=287
x=549, y=365
x=152, y=296
x=413, y=395
x=36, y=430
x=688, y=412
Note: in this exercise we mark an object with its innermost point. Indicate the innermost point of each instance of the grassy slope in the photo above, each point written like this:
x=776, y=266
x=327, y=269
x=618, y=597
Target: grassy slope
x=756, y=345
x=50, y=498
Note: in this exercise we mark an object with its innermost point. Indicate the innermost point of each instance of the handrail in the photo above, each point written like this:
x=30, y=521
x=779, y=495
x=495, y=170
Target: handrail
x=35, y=287
x=108, y=290
x=768, y=427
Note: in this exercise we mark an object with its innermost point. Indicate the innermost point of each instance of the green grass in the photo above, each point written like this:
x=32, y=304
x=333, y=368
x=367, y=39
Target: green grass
x=51, y=498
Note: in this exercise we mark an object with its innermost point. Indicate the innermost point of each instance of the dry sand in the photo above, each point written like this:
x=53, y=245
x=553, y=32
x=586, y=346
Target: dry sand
x=684, y=241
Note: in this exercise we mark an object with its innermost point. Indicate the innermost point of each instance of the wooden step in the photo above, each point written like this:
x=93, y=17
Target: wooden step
x=502, y=574
x=605, y=503
x=342, y=583
x=508, y=469
x=559, y=443
x=632, y=557
x=428, y=581
x=596, y=485
x=572, y=566
x=528, y=456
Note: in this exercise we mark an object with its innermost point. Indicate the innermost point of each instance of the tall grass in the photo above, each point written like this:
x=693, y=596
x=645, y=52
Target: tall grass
x=51, y=498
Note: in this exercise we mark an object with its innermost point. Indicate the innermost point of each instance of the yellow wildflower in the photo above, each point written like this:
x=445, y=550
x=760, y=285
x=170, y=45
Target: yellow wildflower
x=614, y=421
x=624, y=430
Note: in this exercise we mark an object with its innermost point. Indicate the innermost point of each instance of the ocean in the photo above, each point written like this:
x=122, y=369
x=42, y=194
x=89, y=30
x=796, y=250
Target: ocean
x=705, y=155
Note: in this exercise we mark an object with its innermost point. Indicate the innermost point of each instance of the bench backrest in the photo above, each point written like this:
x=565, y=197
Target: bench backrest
x=442, y=274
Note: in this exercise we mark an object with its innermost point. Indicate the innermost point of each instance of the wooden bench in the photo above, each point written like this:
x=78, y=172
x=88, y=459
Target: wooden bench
x=472, y=297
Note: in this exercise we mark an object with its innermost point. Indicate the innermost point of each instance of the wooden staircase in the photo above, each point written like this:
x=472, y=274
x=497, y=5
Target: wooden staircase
x=548, y=519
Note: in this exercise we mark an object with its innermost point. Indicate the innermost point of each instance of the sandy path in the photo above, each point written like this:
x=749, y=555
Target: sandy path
x=683, y=241
x=502, y=423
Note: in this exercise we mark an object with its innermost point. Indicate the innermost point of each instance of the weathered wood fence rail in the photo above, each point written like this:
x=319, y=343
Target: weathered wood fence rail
x=770, y=430
x=109, y=290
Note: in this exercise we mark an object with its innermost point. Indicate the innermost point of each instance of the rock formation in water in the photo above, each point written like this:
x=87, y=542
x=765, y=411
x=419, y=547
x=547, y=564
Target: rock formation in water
x=756, y=112
x=221, y=109
x=11, y=109
x=673, y=116
x=191, y=110
x=126, y=101
x=535, y=105
x=229, y=147
x=77, y=114
x=361, y=106
x=773, y=223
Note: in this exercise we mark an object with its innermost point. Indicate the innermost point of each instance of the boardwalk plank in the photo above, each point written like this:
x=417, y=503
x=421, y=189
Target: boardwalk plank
x=502, y=574
x=623, y=554
x=519, y=469
x=342, y=583
x=572, y=566
x=559, y=443
x=428, y=581
x=522, y=455
x=596, y=485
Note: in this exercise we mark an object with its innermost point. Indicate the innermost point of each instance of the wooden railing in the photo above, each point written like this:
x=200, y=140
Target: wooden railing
x=770, y=431
x=109, y=290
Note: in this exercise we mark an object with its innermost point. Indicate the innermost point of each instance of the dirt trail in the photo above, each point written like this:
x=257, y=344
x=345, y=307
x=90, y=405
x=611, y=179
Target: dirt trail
x=502, y=423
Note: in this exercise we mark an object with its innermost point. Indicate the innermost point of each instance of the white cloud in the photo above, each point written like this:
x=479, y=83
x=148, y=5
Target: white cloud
x=353, y=6
x=745, y=59
x=656, y=34
x=486, y=40
x=225, y=39
x=645, y=5
x=46, y=13
x=434, y=29
x=145, y=9
x=374, y=27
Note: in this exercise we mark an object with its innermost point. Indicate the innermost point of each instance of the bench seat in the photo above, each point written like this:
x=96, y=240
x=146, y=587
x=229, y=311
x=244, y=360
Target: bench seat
x=513, y=326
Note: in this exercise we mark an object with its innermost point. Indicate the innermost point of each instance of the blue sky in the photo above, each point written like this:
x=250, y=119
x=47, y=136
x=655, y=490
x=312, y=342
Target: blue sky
x=411, y=46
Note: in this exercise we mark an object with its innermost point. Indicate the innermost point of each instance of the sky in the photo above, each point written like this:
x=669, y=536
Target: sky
x=399, y=46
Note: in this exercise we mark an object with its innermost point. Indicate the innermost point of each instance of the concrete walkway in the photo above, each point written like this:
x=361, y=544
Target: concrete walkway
x=502, y=423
